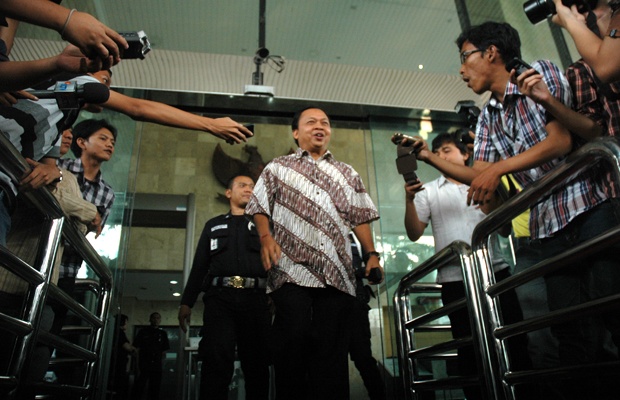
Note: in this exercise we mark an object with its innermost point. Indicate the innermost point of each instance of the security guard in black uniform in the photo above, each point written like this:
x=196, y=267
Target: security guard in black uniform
x=228, y=268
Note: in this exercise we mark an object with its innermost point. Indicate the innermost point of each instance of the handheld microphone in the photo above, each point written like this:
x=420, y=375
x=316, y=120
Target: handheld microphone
x=69, y=94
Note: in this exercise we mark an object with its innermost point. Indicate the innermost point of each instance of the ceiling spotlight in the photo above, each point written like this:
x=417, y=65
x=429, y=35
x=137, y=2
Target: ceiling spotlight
x=173, y=282
x=176, y=294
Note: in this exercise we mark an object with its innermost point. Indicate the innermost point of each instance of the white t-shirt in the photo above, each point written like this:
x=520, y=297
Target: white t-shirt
x=443, y=204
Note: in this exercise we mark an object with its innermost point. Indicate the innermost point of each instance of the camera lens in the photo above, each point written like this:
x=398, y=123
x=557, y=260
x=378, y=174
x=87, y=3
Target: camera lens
x=538, y=10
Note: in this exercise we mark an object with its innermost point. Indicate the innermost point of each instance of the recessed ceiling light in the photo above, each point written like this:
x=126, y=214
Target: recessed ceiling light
x=420, y=66
x=173, y=282
x=176, y=294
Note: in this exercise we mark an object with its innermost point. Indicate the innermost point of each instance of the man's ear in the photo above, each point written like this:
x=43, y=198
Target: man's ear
x=80, y=142
x=492, y=53
x=296, y=134
x=228, y=193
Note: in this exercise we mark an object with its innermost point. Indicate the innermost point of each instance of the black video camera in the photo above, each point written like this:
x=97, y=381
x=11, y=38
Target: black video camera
x=139, y=45
x=539, y=10
x=468, y=109
x=406, y=162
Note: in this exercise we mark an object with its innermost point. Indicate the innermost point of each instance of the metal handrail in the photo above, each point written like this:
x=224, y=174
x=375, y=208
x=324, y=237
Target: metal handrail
x=407, y=324
x=488, y=333
x=491, y=331
x=14, y=166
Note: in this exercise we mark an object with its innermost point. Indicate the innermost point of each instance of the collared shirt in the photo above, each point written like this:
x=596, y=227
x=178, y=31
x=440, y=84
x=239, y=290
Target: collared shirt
x=601, y=103
x=97, y=192
x=443, y=204
x=312, y=204
x=518, y=124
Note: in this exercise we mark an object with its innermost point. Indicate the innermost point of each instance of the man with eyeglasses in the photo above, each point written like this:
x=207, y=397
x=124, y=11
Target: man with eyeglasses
x=517, y=135
x=227, y=268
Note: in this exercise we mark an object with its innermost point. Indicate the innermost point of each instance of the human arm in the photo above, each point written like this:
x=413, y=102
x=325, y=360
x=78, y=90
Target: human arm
x=67, y=193
x=414, y=227
x=461, y=173
x=41, y=173
x=270, y=251
x=531, y=84
x=364, y=236
x=603, y=55
x=163, y=114
x=81, y=29
x=194, y=285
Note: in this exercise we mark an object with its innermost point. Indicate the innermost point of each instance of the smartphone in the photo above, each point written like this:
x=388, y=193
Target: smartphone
x=517, y=64
x=250, y=127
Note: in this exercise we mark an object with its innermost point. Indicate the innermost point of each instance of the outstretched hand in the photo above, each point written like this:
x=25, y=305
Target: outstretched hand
x=482, y=188
x=229, y=130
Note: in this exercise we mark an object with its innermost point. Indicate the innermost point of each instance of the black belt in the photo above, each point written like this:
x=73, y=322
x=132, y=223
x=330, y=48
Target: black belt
x=239, y=282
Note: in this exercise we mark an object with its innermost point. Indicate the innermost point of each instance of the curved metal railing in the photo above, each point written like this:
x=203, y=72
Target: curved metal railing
x=40, y=290
x=489, y=332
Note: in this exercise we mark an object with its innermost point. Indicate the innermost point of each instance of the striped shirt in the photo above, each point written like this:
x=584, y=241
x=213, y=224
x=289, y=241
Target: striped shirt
x=97, y=192
x=312, y=204
x=518, y=124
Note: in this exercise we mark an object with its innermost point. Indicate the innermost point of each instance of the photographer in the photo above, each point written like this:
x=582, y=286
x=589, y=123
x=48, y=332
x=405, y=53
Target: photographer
x=602, y=54
x=443, y=203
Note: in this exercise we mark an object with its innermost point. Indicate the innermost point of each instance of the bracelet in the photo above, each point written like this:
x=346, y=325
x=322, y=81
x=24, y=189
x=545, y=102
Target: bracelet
x=62, y=31
x=370, y=254
x=59, y=179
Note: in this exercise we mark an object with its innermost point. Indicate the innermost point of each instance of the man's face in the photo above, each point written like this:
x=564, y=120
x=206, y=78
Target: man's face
x=314, y=131
x=241, y=191
x=474, y=68
x=449, y=152
x=99, y=145
x=65, y=143
x=155, y=320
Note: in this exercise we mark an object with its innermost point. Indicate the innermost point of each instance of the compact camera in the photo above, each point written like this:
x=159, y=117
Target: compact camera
x=539, y=10
x=139, y=45
x=467, y=109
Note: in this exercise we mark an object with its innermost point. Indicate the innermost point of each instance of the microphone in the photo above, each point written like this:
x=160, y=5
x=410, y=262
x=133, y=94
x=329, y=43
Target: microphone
x=68, y=94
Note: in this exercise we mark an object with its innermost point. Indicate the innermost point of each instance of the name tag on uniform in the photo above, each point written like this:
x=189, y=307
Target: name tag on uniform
x=218, y=227
x=213, y=244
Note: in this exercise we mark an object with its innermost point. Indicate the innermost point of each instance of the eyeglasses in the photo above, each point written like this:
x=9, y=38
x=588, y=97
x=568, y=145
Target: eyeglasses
x=468, y=53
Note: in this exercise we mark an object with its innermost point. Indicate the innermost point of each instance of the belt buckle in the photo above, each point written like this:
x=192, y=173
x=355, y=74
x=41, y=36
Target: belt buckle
x=238, y=282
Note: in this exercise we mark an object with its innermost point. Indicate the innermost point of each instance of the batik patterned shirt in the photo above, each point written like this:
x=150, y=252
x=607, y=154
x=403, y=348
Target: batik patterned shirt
x=507, y=129
x=312, y=205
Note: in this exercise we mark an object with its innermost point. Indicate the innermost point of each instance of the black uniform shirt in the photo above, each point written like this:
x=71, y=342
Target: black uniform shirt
x=229, y=246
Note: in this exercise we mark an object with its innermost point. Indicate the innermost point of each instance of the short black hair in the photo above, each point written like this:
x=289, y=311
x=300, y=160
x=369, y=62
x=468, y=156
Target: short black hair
x=446, y=137
x=297, y=115
x=85, y=129
x=154, y=313
x=500, y=34
x=232, y=180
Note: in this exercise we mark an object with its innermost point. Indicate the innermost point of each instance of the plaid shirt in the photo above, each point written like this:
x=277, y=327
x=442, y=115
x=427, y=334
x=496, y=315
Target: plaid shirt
x=97, y=192
x=601, y=103
x=510, y=128
x=312, y=204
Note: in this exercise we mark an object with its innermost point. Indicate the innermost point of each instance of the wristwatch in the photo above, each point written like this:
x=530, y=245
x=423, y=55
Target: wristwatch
x=369, y=254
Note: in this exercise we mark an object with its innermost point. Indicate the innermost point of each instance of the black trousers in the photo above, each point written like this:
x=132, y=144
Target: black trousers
x=235, y=317
x=311, y=333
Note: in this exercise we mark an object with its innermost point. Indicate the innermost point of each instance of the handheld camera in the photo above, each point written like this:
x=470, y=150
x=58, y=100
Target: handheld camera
x=406, y=162
x=139, y=45
x=539, y=10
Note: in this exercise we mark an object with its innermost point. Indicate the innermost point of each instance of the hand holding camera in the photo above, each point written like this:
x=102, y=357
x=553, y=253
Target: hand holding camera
x=406, y=162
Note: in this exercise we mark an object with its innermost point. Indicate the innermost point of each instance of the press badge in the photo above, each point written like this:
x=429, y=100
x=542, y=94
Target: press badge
x=214, y=244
